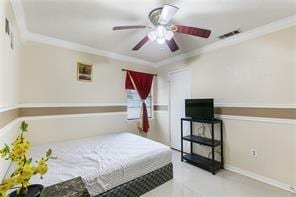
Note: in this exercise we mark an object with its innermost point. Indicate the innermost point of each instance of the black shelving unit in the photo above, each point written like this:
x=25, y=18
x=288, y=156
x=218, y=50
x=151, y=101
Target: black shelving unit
x=209, y=164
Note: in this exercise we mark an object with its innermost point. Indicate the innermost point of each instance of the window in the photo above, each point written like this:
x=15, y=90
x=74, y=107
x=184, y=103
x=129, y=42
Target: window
x=134, y=105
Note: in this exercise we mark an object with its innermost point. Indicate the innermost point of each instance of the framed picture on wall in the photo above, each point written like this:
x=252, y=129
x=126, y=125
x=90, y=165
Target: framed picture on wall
x=84, y=72
x=7, y=28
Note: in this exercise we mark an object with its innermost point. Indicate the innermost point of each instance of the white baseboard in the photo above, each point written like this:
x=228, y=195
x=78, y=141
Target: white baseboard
x=263, y=179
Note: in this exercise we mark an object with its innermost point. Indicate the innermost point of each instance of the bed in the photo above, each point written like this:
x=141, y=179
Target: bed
x=108, y=164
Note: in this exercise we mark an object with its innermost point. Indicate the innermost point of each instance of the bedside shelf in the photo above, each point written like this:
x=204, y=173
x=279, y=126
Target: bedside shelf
x=201, y=140
x=202, y=162
x=209, y=164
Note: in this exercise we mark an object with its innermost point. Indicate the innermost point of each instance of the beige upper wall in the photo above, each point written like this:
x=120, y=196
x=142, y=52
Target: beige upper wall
x=258, y=71
x=9, y=59
x=49, y=75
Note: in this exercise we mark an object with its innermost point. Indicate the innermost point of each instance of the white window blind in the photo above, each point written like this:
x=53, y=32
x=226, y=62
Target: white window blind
x=134, y=105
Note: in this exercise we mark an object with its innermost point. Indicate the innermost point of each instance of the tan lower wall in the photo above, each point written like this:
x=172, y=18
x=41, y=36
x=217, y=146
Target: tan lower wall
x=283, y=113
x=48, y=111
x=8, y=116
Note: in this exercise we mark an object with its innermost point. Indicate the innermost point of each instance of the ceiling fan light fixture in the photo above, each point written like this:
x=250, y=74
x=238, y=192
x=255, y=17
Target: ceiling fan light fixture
x=160, y=40
x=160, y=32
x=152, y=36
x=163, y=31
x=169, y=35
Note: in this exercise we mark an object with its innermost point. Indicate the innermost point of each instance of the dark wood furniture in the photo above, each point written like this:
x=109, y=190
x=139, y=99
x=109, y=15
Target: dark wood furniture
x=136, y=187
x=71, y=188
x=209, y=164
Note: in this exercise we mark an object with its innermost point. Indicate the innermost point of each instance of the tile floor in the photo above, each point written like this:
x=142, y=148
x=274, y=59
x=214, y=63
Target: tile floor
x=190, y=181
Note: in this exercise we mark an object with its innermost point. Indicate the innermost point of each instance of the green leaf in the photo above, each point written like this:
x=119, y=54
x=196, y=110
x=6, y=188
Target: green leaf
x=53, y=157
x=6, y=148
x=24, y=126
x=29, y=161
x=48, y=153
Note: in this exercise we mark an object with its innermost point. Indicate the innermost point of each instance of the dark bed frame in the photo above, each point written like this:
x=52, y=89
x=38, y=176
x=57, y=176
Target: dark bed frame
x=141, y=185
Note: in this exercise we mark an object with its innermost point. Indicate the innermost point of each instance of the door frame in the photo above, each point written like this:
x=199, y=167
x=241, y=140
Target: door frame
x=169, y=93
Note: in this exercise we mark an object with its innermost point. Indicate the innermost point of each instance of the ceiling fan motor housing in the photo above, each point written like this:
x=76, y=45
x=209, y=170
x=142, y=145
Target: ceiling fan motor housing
x=154, y=16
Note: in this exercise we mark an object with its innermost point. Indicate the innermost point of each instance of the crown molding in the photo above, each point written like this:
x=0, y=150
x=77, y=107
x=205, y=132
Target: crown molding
x=248, y=35
x=29, y=36
x=19, y=15
x=244, y=36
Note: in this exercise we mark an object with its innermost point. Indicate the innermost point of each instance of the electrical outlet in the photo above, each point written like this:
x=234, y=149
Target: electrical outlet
x=253, y=152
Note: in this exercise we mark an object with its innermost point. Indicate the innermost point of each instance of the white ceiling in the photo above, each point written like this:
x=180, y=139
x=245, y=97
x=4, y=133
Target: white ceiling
x=90, y=22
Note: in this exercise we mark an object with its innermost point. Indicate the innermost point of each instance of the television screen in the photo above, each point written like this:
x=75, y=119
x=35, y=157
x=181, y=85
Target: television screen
x=199, y=109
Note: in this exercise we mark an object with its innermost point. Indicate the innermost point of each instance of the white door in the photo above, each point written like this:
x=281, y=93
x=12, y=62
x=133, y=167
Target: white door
x=179, y=90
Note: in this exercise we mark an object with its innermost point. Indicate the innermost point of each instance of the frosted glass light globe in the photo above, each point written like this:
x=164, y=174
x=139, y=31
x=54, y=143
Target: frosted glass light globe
x=169, y=35
x=152, y=36
x=160, y=40
x=160, y=32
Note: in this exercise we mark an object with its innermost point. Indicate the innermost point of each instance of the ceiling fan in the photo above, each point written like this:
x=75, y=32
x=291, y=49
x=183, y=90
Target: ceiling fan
x=162, y=30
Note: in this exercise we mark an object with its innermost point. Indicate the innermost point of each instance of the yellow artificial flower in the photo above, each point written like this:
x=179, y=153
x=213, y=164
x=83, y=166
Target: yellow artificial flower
x=7, y=184
x=26, y=183
x=4, y=187
x=12, y=180
x=27, y=171
x=2, y=153
x=41, y=167
x=17, y=153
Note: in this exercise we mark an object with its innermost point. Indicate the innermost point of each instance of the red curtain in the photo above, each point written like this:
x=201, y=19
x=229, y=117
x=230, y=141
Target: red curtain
x=141, y=82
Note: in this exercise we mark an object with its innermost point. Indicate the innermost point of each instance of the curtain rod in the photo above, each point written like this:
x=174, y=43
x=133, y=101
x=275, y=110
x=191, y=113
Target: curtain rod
x=147, y=73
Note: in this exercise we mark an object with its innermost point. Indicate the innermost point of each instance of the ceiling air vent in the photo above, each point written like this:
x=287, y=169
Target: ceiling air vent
x=229, y=34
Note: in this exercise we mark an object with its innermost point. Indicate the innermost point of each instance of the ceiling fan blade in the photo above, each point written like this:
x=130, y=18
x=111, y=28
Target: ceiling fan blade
x=172, y=45
x=141, y=43
x=167, y=13
x=129, y=27
x=194, y=31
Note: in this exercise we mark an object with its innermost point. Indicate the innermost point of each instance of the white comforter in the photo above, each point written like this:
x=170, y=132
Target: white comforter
x=103, y=162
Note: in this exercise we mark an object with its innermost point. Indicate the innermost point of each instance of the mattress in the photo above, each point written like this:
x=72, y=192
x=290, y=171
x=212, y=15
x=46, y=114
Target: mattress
x=103, y=162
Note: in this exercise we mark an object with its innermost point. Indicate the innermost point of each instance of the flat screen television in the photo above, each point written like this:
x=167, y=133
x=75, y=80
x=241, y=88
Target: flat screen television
x=199, y=109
